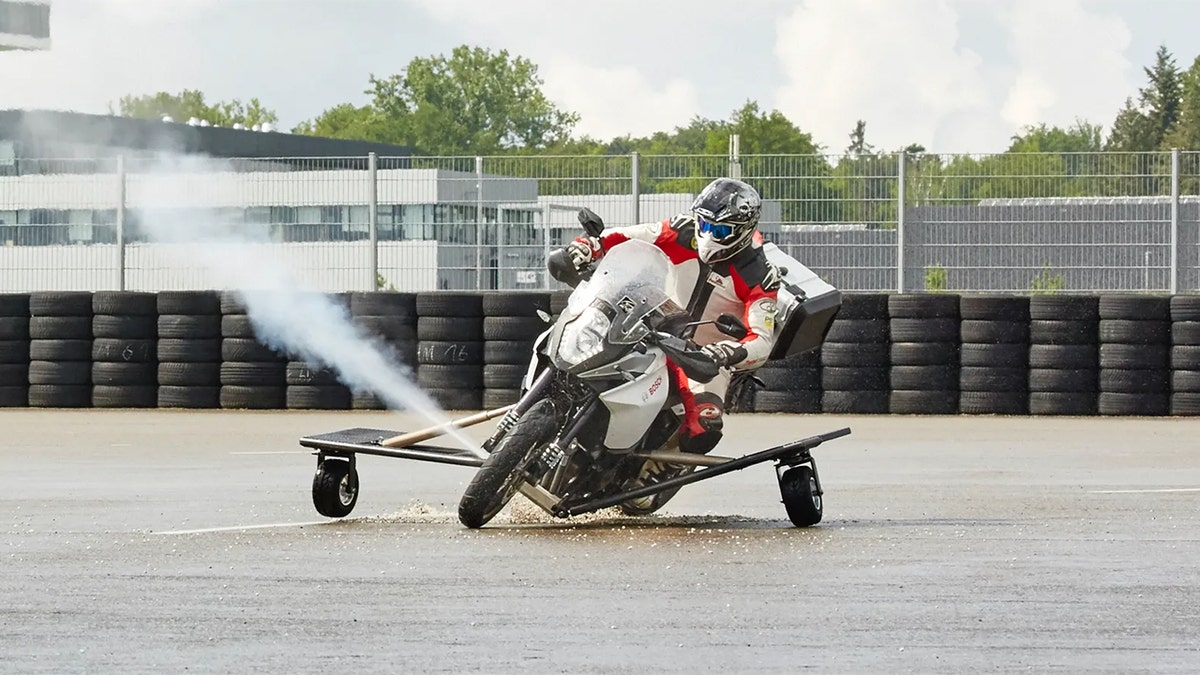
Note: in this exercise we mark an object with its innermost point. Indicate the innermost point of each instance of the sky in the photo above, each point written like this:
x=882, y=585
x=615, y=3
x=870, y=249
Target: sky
x=953, y=75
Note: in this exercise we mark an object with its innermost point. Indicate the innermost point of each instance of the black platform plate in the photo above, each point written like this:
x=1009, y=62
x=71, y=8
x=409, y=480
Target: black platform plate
x=366, y=441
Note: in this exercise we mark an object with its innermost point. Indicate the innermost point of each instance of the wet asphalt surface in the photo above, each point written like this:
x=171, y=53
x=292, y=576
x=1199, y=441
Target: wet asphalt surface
x=159, y=541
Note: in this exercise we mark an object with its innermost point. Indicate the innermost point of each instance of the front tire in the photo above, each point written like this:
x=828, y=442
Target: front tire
x=502, y=472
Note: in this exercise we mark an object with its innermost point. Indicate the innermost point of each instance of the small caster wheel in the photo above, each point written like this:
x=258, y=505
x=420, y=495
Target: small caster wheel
x=335, y=488
x=801, y=496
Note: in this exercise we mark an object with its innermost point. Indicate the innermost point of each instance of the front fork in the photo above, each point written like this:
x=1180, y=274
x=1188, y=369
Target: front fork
x=533, y=395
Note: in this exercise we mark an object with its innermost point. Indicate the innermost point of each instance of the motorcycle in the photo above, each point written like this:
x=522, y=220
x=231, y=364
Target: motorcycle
x=599, y=414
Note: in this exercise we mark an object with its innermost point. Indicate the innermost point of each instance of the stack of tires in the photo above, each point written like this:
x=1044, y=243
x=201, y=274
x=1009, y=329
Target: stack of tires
x=450, y=338
x=1185, y=355
x=994, y=377
x=923, y=354
x=791, y=385
x=1064, y=354
x=124, y=350
x=315, y=386
x=510, y=326
x=14, y=350
x=391, y=319
x=558, y=301
x=855, y=358
x=1135, y=355
x=189, y=349
x=253, y=375
x=60, y=349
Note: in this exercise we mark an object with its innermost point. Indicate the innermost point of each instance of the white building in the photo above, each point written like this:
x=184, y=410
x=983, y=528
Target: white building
x=24, y=24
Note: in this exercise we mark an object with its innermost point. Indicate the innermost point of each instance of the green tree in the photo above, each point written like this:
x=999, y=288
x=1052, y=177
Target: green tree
x=1143, y=127
x=472, y=102
x=350, y=122
x=858, y=141
x=1080, y=137
x=189, y=104
x=1186, y=134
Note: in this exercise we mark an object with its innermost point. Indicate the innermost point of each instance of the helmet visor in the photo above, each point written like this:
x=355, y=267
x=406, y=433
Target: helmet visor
x=719, y=231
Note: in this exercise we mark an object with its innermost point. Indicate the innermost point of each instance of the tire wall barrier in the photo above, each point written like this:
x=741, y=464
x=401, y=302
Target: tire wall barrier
x=928, y=353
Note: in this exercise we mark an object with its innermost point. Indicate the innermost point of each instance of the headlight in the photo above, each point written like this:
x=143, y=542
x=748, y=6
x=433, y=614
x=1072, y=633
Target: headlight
x=583, y=338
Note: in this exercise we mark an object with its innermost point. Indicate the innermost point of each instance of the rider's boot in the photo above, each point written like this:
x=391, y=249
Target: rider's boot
x=704, y=424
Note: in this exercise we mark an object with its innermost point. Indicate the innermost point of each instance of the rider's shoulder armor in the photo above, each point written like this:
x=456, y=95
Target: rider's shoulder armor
x=751, y=266
x=683, y=223
x=681, y=231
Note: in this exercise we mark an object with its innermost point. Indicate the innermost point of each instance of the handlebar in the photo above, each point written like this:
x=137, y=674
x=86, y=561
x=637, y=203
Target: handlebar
x=696, y=364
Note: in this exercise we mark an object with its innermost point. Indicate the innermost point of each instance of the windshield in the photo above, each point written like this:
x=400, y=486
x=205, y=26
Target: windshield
x=632, y=278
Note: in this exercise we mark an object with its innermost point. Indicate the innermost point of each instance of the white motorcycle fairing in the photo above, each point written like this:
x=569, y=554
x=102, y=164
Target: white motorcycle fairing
x=633, y=406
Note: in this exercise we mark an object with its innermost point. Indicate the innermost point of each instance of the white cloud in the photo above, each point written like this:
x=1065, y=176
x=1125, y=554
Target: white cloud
x=613, y=102
x=1070, y=64
x=897, y=65
x=905, y=68
x=628, y=67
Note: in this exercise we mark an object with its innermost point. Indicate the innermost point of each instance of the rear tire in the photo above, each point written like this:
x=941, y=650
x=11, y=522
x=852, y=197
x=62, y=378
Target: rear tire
x=798, y=486
x=335, y=488
x=502, y=472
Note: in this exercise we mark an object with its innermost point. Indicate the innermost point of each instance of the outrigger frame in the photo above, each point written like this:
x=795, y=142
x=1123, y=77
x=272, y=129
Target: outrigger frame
x=347, y=443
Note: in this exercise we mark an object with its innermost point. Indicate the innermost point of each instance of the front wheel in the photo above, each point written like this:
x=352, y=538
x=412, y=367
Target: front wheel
x=801, y=497
x=502, y=472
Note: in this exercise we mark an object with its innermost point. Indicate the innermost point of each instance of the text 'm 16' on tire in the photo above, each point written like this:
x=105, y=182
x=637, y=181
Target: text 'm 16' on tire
x=798, y=486
x=335, y=488
x=502, y=472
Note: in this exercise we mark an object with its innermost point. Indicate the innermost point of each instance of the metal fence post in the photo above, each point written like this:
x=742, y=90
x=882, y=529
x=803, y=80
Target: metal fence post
x=121, y=222
x=1173, y=285
x=545, y=246
x=373, y=221
x=735, y=156
x=900, y=185
x=478, y=222
x=636, y=188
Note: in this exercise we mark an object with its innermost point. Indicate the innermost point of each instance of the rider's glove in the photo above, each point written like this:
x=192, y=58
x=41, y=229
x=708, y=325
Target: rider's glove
x=582, y=251
x=725, y=353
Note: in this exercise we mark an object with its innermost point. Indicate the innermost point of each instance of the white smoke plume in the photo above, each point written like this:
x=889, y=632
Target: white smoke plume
x=285, y=314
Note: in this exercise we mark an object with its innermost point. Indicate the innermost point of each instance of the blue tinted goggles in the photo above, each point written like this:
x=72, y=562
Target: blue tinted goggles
x=719, y=231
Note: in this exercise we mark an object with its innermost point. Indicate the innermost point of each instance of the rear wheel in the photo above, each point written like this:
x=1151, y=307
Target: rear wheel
x=503, y=471
x=654, y=472
x=801, y=497
x=335, y=488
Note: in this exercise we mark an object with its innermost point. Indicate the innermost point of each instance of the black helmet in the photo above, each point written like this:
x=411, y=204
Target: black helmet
x=726, y=214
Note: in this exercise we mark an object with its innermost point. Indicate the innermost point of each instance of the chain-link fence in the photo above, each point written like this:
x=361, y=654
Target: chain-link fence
x=1046, y=222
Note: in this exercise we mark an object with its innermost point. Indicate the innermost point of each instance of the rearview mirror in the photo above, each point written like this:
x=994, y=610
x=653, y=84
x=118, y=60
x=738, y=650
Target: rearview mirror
x=732, y=326
x=592, y=224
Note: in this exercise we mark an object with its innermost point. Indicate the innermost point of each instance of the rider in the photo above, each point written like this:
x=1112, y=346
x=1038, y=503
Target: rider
x=720, y=267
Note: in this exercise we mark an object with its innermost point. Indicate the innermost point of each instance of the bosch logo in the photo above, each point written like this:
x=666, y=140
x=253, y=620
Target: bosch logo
x=653, y=388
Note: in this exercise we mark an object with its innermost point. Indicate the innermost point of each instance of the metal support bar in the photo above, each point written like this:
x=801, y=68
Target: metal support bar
x=900, y=185
x=424, y=453
x=1173, y=284
x=778, y=452
x=373, y=221
x=121, y=188
x=686, y=458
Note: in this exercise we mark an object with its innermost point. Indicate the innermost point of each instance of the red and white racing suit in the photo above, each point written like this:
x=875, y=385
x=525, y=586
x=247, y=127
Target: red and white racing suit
x=746, y=285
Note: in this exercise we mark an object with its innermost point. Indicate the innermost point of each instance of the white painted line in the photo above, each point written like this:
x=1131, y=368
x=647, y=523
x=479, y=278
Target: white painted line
x=1138, y=492
x=272, y=452
x=234, y=528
